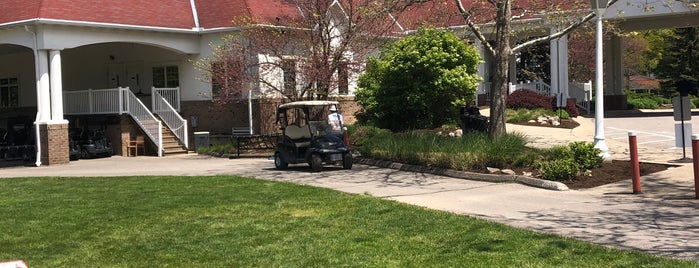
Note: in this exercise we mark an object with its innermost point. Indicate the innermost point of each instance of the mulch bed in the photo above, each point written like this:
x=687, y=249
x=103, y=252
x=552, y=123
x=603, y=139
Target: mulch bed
x=609, y=172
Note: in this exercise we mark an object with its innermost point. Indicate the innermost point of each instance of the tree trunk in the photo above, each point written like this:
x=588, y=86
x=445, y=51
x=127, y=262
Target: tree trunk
x=498, y=92
x=503, y=53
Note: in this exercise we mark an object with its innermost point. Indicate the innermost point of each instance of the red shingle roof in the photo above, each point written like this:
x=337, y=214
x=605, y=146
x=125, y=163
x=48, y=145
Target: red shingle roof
x=221, y=13
x=161, y=13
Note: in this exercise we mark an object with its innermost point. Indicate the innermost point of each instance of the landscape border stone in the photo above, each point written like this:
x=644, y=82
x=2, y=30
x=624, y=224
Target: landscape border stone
x=497, y=178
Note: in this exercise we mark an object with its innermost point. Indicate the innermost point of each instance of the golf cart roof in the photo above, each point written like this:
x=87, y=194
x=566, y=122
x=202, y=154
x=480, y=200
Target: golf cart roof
x=299, y=104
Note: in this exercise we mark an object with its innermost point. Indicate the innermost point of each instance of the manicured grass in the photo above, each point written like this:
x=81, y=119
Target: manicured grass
x=228, y=221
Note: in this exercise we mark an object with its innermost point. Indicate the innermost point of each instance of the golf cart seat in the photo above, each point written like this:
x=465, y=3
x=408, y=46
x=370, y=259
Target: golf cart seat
x=301, y=136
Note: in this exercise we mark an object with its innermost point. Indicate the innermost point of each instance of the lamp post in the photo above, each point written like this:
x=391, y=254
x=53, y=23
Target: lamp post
x=599, y=7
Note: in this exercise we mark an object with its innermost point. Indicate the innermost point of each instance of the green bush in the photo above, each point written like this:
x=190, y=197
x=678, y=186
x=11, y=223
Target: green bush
x=557, y=152
x=524, y=115
x=645, y=100
x=360, y=134
x=419, y=82
x=220, y=149
x=585, y=154
x=558, y=170
x=642, y=104
x=562, y=113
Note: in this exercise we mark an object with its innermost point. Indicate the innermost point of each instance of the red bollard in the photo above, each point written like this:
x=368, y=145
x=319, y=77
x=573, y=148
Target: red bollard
x=345, y=137
x=635, y=168
x=695, y=162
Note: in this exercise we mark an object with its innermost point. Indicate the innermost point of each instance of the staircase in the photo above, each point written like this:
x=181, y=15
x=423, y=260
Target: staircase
x=171, y=145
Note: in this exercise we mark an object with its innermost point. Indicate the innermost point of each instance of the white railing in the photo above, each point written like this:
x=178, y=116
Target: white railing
x=114, y=101
x=582, y=92
x=169, y=115
x=93, y=101
x=171, y=95
x=538, y=86
x=144, y=118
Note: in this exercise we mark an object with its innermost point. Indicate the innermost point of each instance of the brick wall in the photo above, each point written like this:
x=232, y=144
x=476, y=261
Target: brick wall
x=54, y=144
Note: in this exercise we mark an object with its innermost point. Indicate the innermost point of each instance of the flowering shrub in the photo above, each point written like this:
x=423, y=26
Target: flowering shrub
x=528, y=99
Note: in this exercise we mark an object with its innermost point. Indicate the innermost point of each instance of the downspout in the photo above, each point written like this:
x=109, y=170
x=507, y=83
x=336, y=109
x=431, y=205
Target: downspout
x=38, y=107
x=250, y=111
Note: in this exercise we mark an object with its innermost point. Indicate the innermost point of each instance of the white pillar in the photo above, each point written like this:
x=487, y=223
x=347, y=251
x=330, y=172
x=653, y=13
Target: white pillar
x=44, y=98
x=599, y=95
x=554, y=55
x=56, y=81
x=563, y=67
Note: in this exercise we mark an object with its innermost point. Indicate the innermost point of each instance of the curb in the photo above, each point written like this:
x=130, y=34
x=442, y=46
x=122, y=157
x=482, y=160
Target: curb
x=499, y=178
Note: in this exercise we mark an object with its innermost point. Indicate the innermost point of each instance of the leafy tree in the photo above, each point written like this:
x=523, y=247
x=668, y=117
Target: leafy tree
x=680, y=60
x=419, y=82
x=315, y=45
x=500, y=12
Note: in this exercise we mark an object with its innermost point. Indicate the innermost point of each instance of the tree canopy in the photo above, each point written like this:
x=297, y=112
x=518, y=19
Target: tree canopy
x=679, y=63
x=419, y=82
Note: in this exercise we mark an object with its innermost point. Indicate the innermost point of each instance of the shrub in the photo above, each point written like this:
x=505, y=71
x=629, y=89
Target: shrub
x=586, y=154
x=528, y=99
x=572, y=109
x=557, y=152
x=642, y=104
x=360, y=134
x=562, y=113
x=558, y=170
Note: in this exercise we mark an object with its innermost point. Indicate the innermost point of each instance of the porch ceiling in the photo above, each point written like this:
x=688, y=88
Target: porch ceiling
x=12, y=49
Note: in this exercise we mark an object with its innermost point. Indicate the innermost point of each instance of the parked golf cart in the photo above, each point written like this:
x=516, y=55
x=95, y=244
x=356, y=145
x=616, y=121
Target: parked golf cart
x=74, y=149
x=94, y=143
x=308, y=137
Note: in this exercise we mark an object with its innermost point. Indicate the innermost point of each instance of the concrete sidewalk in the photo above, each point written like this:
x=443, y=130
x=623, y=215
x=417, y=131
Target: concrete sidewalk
x=663, y=220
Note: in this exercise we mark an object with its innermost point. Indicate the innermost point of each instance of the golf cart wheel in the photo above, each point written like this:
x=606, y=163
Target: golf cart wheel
x=347, y=161
x=316, y=163
x=84, y=154
x=279, y=162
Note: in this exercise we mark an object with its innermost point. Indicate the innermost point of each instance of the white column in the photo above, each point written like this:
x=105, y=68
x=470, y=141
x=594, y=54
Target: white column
x=56, y=81
x=599, y=92
x=554, y=55
x=563, y=66
x=44, y=98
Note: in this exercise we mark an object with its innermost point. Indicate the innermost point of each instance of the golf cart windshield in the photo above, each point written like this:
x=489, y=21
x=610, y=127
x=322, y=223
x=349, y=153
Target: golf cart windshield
x=313, y=114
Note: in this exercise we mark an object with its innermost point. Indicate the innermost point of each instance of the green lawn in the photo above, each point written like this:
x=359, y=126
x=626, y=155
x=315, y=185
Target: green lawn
x=228, y=221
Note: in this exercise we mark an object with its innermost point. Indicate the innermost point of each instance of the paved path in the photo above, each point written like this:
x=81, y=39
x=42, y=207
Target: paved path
x=664, y=220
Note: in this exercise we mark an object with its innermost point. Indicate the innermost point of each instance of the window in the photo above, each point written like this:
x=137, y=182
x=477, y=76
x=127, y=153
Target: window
x=342, y=79
x=289, y=70
x=9, y=92
x=166, y=76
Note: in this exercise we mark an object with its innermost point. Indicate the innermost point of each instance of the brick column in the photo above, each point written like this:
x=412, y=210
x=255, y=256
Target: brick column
x=54, y=144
